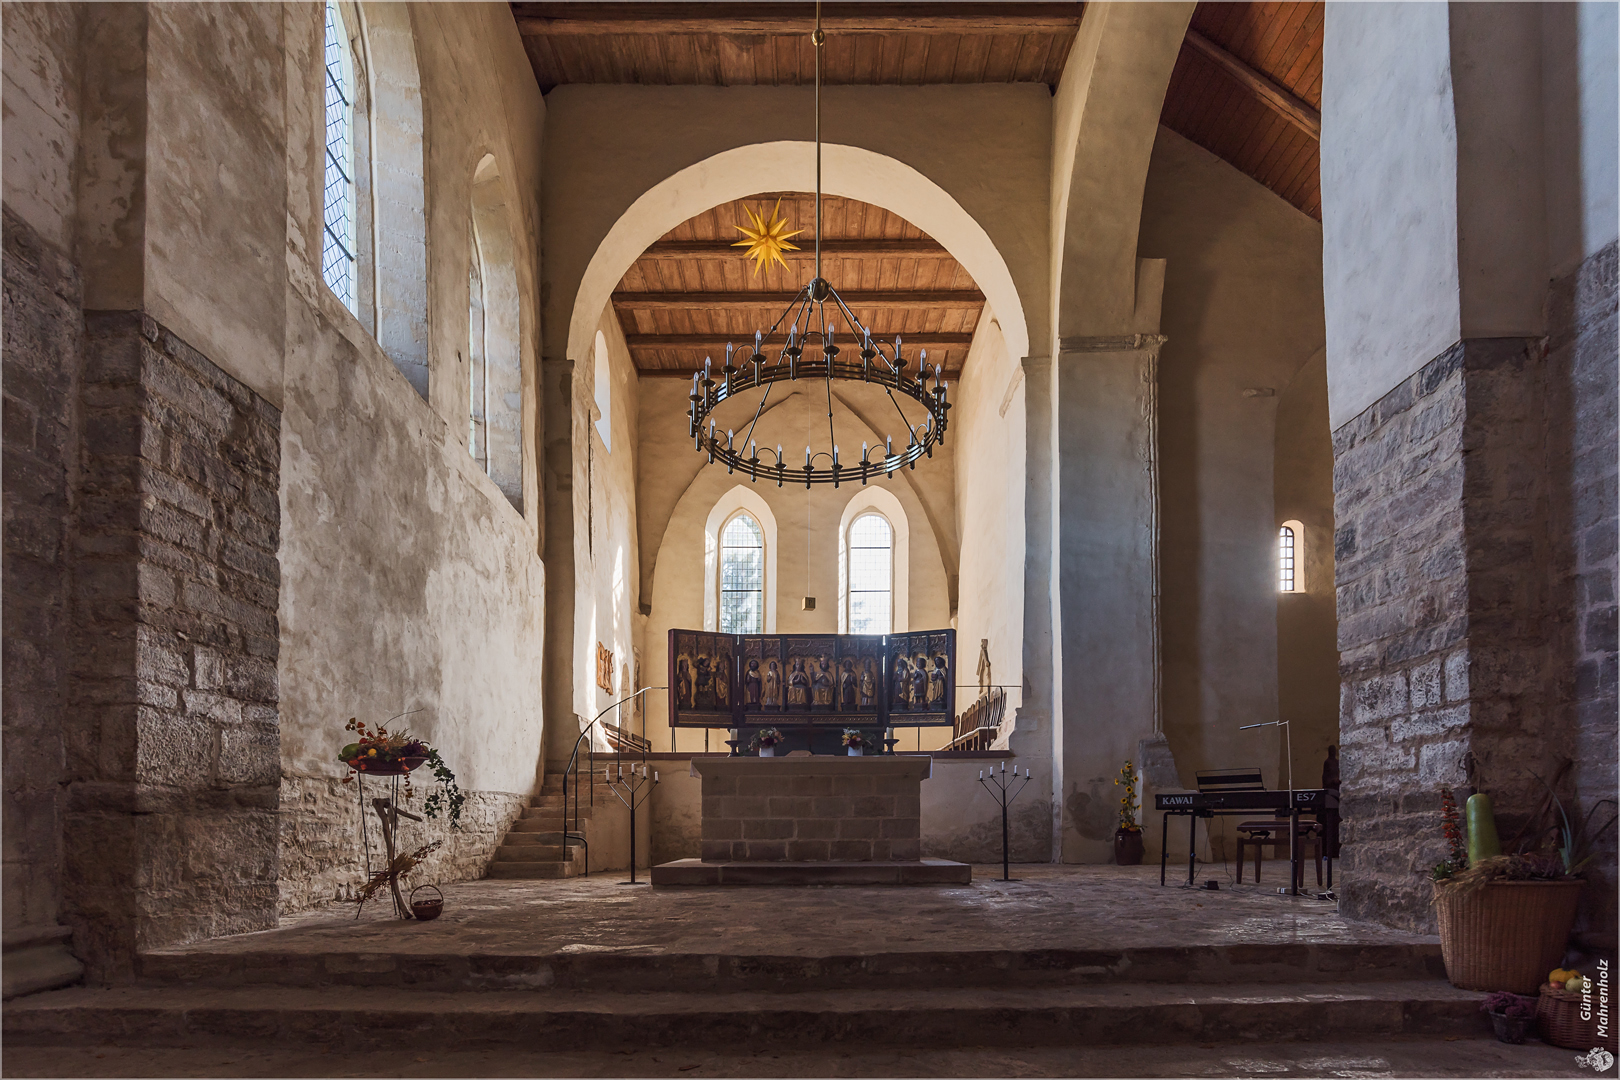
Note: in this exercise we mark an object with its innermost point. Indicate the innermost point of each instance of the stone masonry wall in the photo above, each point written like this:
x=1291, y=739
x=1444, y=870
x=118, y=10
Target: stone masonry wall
x=797, y=817
x=1475, y=544
x=43, y=338
x=1582, y=348
x=172, y=731
x=322, y=857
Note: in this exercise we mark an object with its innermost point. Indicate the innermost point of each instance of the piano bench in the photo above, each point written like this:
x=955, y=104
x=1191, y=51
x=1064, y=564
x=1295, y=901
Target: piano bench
x=1275, y=833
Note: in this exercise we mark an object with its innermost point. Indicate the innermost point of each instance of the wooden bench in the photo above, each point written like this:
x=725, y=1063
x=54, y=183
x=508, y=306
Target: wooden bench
x=978, y=726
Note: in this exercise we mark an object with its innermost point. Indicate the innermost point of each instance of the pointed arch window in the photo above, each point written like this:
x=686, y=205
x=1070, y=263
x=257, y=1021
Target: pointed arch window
x=338, y=246
x=742, y=576
x=869, y=549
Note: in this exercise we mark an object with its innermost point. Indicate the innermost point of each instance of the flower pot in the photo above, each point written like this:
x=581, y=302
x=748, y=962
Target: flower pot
x=1128, y=847
x=1510, y=1029
x=767, y=751
x=857, y=751
x=1506, y=935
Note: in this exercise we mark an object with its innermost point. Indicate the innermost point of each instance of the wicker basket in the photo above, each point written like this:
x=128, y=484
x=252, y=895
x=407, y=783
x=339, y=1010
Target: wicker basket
x=1506, y=935
x=1558, y=1021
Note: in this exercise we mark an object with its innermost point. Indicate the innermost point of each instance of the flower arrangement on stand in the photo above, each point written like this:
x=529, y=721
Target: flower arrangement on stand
x=1128, y=837
x=855, y=741
x=384, y=753
x=765, y=741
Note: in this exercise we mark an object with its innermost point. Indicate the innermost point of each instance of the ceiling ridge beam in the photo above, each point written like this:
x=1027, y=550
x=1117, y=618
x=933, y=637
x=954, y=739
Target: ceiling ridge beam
x=688, y=249
x=651, y=301
x=1285, y=104
x=922, y=339
x=790, y=19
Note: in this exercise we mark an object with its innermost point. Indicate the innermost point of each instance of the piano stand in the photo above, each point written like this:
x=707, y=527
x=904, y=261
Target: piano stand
x=1296, y=872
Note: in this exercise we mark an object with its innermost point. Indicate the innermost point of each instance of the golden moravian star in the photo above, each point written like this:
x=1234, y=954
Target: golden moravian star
x=766, y=239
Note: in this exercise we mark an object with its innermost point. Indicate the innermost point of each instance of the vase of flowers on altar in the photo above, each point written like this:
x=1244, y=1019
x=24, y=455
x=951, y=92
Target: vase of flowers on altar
x=854, y=741
x=1128, y=837
x=764, y=742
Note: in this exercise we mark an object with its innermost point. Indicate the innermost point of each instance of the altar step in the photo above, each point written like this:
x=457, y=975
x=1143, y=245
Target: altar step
x=566, y=1020
x=450, y=965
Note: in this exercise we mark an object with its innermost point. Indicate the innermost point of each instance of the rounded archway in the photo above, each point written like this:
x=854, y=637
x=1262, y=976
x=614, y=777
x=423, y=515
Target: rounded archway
x=849, y=171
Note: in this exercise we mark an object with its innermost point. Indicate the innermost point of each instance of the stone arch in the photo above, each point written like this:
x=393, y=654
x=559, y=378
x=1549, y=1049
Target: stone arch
x=849, y=171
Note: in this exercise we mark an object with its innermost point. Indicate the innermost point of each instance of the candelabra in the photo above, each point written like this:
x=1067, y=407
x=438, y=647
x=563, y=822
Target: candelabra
x=1001, y=788
x=633, y=788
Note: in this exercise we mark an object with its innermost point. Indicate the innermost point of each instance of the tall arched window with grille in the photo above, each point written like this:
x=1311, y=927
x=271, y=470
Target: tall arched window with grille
x=870, y=573
x=1288, y=558
x=338, y=246
x=742, y=576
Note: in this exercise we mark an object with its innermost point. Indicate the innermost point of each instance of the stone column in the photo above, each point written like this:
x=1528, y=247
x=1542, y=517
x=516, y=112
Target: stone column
x=1106, y=559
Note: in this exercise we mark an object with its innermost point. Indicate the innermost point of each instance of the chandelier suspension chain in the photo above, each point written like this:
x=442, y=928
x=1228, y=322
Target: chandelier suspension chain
x=810, y=305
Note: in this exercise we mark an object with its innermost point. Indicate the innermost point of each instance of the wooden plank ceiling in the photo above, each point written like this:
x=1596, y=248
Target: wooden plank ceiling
x=1247, y=87
x=692, y=292
x=750, y=44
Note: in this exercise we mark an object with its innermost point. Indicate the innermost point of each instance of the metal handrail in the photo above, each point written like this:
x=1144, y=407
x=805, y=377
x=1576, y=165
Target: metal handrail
x=572, y=769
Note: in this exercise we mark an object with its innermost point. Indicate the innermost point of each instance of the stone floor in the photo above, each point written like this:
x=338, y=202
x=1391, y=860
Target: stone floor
x=1392, y=1056
x=1073, y=907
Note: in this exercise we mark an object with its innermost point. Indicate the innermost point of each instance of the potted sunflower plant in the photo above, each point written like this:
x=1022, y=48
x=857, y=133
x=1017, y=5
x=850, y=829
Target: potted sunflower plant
x=1128, y=837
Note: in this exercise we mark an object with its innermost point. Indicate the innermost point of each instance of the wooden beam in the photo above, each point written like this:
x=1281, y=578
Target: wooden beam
x=718, y=342
x=843, y=249
x=665, y=301
x=1283, y=103
x=789, y=20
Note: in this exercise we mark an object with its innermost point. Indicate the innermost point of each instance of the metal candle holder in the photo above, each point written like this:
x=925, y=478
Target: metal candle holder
x=1002, y=790
x=633, y=789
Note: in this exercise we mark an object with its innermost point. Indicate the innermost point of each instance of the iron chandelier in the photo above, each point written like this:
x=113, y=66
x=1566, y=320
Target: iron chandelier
x=809, y=351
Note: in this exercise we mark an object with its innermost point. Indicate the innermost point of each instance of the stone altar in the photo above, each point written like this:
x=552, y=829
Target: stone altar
x=812, y=820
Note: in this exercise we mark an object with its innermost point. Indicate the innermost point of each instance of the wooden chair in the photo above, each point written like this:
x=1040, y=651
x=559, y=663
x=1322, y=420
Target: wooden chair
x=1274, y=831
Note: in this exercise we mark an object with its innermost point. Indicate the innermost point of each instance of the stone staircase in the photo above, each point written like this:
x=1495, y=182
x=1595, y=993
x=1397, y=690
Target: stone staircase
x=533, y=847
x=461, y=997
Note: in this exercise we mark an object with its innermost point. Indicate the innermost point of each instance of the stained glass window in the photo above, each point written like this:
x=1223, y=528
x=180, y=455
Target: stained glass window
x=337, y=234
x=870, y=552
x=742, y=577
x=1285, y=559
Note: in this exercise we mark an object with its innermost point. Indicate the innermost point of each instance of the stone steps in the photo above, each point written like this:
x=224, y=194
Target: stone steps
x=535, y=870
x=436, y=958
x=550, y=1019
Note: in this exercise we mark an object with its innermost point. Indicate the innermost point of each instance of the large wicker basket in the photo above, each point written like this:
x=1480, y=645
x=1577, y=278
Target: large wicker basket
x=1506, y=935
x=1558, y=1021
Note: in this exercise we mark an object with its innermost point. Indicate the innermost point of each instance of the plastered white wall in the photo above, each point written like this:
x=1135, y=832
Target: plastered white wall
x=1581, y=99
x=1389, y=197
x=1242, y=311
x=990, y=432
x=608, y=589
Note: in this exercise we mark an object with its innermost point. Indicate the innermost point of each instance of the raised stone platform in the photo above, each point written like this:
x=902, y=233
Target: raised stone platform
x=812, y=809
x=921, y=872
